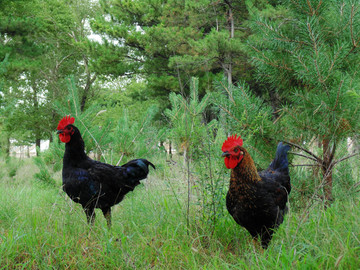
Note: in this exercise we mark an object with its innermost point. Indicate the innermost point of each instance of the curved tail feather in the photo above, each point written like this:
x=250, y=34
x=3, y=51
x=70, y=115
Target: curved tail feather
x=280, y=162
x=137, y=169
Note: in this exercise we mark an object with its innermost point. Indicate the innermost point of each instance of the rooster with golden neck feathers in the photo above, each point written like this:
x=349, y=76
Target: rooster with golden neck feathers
x=256, y=200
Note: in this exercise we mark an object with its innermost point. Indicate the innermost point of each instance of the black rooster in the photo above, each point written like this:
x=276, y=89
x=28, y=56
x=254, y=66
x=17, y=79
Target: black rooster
x=256, y=201
x=91, y=183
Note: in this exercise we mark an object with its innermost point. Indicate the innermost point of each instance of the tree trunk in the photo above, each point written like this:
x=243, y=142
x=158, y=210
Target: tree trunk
x=89, y=81
x=7, y=145
x=170, y=150
x=327, y=168
x=232, y=34
x=36, y=107
x=37, y=144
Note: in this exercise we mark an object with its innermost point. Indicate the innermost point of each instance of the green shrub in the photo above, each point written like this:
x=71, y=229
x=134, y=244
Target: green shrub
x=43, y=176
x=12, y=165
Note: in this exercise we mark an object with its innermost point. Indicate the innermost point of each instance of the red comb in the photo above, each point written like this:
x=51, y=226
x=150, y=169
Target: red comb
x=67, y=120
x=231, y=142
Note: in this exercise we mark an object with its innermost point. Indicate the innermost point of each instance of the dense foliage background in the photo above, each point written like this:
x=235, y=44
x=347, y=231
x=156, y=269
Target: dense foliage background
x=145, y=76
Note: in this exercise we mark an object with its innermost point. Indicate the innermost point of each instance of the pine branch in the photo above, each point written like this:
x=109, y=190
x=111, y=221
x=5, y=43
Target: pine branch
x=344, y=158
x=229, y=93
x=338, y=95
x=96, y=142
x=352, y=27
x=305, y=165
x=230, y=114
x=133, y=140
x=269, y=62
x=319, y=160
x=305, y=156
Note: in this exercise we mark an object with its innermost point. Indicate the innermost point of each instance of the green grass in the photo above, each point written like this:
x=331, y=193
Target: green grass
x=41, y=228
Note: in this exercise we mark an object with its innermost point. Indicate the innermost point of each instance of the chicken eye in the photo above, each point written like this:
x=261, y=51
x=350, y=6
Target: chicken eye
x=236, y=150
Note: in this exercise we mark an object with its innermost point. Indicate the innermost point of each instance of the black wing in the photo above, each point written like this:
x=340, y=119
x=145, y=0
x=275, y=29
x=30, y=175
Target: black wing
x=103, y=184
x=117, y=177
x=272, y=184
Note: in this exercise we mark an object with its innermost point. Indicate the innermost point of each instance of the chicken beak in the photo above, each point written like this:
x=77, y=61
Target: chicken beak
x=59, y=131
x=225, y=154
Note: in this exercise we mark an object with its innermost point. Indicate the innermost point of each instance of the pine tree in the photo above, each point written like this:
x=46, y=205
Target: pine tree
x=186, y=119
x=167, y=43
x=45, y=42
x=308, y=51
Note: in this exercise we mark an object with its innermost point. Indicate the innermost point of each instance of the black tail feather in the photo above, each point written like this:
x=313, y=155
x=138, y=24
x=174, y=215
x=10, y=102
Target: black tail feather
x=148, y=163
x=280, y=162
x=137, y=169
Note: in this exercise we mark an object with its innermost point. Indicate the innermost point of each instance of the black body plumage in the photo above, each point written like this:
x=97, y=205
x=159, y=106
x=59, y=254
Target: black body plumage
x=94, y=184
x=257, y=201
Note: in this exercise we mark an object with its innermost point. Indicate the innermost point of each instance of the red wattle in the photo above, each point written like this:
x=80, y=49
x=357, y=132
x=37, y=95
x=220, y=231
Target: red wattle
x=231, y=162
x=65, y=138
